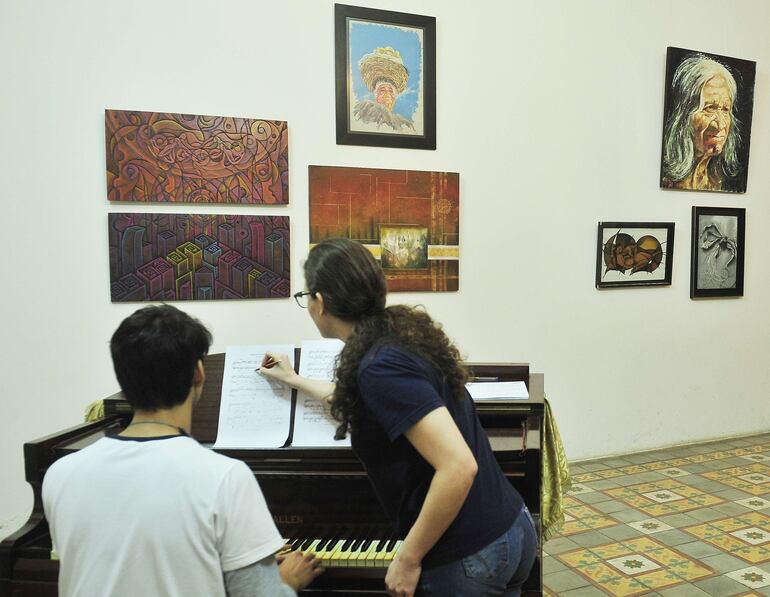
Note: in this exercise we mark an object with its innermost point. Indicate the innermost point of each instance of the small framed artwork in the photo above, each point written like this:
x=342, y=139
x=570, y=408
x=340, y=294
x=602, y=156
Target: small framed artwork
x=718, y=241
x=385, y=70
x=634, y=254
x=707, y=127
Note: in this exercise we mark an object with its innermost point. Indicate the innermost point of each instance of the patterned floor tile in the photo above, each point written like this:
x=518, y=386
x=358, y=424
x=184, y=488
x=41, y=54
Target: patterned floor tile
x=580, y=517
x=650, y=526
x=746, y=536
x=673, y=471
x=752, y=577
x=635, y=566
x=755, y=503
x=578, y=488
x=752, y=478
x=756, y=457
x=678, y=522
x=668, y=496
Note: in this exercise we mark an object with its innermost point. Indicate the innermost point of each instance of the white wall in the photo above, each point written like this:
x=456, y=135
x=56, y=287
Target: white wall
x=550, y=110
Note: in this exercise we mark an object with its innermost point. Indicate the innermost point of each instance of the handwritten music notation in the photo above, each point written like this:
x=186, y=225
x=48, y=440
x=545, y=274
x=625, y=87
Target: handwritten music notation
x=254, y=412
x=314, y=425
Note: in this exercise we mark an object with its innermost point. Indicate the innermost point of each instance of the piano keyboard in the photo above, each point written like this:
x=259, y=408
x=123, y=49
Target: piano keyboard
x=348, y=552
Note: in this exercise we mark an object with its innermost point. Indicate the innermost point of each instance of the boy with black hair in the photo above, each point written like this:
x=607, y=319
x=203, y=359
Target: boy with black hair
x=152, y=512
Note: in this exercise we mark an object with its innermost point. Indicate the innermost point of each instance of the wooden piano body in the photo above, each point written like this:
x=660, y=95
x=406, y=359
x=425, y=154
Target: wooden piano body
x=311, y=492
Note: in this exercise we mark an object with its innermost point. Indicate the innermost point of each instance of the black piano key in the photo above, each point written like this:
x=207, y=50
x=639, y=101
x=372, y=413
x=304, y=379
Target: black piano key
x=332, y=541
x=324, y=545
x=306, y=543
x=347, y=544
x=391, y=545
x=299, y=540
x=356, y=545
x=383, y=543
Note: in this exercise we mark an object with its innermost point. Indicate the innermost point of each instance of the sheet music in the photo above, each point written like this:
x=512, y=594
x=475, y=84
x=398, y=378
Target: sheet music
x=500, y=390
x=254, y=412
x=313, y=422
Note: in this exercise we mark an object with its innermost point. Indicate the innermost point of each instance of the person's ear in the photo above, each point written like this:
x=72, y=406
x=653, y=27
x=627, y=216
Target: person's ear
x=321, y=307
x=199, y=375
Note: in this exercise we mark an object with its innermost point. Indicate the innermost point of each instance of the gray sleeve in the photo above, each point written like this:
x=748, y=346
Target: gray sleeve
x=259, y=578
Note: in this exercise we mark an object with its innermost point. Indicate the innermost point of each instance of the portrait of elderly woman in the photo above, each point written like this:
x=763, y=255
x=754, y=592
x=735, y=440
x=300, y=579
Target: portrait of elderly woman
x=707, y=128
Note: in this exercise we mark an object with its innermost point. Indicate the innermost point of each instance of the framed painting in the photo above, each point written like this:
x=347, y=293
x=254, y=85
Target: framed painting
x=385, y=72
x=718, y=242
x=408, y=219
x=707, y=121
x=174, y=257
x=634, y=254
x=184, y=158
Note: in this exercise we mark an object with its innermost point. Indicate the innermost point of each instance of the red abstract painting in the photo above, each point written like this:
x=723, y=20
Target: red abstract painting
x=182, y=158
x=409, y=220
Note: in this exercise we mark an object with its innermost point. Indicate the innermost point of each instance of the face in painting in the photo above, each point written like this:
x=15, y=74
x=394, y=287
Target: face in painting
x=712, y=122
x=385, y=94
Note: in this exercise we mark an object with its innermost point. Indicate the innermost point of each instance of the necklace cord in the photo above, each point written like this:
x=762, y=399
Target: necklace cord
x=179, y=429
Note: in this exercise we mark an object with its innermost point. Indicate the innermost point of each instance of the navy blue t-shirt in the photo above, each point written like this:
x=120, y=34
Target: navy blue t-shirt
x=398, y=388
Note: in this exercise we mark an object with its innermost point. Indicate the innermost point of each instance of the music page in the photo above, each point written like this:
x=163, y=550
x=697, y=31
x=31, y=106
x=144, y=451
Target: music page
x=500, y=390
x=254, y=412
x=313, y=422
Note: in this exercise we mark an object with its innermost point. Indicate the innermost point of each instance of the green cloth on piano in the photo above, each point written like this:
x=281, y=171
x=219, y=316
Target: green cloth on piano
x=556, y=477
x=95, y=411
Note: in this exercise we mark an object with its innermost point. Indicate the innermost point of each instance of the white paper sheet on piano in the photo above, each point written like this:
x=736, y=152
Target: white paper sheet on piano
x=498, y=390
x=254, y=412
x=313, y=422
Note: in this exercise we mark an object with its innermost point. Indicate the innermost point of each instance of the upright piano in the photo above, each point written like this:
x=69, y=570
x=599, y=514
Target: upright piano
x=320, y=498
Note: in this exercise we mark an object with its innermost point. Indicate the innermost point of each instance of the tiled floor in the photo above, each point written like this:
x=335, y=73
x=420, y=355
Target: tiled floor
x=680, y=522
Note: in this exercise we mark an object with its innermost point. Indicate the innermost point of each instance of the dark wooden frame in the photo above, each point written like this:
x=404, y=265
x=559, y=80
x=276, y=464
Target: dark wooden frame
x=345, y=136
x=740, y=214
x=669, y=253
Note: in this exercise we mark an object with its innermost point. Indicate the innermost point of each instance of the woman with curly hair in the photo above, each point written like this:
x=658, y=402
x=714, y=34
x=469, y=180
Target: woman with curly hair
x=400, y=392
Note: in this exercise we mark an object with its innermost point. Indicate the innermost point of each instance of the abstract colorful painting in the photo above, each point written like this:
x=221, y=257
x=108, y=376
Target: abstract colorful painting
x=409, y=220
x=634, y=254
x=172, y=257
x=183, y=158
x=707, y=128
x=385, y=68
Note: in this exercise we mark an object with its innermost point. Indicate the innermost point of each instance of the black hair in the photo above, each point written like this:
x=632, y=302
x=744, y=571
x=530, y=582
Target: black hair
x=154, y=353
x=353, y=287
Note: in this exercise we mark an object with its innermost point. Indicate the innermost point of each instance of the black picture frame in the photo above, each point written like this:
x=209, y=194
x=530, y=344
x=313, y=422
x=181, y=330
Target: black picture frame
x=369, y=121
x=718, y=251
x=634, y=254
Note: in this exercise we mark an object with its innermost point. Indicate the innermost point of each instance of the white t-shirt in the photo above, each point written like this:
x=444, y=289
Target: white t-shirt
x=150, y=517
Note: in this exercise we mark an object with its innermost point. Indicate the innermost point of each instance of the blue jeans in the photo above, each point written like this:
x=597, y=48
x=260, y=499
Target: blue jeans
x=500, y=568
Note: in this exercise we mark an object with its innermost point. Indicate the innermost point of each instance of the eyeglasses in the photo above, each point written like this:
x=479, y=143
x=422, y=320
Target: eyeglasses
x=301, y=297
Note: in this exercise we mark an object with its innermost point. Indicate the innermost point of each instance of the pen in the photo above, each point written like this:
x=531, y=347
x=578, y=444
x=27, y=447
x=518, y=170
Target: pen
x=267, y=363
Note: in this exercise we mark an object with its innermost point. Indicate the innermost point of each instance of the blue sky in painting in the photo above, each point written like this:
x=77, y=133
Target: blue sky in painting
x=365, y=36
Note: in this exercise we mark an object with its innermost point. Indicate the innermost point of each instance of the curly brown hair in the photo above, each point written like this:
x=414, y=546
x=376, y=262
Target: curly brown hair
x=353, y=288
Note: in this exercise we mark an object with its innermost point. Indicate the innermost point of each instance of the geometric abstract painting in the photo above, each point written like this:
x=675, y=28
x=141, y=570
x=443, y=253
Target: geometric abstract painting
x=409, y=220
x=171, y=257
x=184, y=158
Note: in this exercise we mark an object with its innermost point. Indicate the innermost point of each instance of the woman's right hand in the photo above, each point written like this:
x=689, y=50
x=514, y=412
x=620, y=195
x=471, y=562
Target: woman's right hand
x=298, y=569
x=278, y=368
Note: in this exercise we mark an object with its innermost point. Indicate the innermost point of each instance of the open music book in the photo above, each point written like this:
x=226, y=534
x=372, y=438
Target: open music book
x=258, y=413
